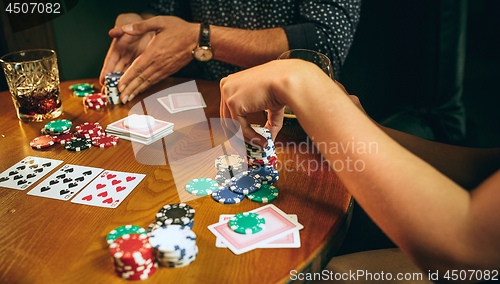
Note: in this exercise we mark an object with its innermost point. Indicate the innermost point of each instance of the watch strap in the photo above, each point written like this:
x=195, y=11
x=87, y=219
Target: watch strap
x=204, y=34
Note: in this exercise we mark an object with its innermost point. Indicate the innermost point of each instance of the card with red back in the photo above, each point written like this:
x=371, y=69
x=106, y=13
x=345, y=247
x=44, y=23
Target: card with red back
x=147, y=132
x=109, y=189
x=182, y=101
x=291, y=240
x=278, y=225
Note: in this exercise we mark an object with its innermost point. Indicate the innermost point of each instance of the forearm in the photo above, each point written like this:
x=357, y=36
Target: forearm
x=247, y=48
x=422, y=210
x=466, y=166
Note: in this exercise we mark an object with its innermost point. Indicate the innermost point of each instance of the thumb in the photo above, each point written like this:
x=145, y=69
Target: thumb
x=142, y=27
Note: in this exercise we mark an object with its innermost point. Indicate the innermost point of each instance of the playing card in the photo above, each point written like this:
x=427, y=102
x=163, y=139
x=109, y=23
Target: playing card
x=66, y=182
x=291, y=240
x=26, y=172
x=160, y=127
x=109, y=189
x=182, y=101
x=278, y=224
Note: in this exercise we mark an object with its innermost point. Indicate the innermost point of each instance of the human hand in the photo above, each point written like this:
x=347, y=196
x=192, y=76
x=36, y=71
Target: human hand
x=124, y=47
x=168, y=51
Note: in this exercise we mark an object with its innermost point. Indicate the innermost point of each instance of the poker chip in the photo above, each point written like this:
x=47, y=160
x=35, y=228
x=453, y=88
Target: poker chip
x=223, y=176
x=201, y=186
x=136, y=121
x=95, y=101
x=82, y=87
x=89, y=130
x=245, y=183
x=105, y=141
x=62, y=139
x=224, y=195
x=133, y=256
x=247, y=223
x=43, y=141
x=178, y=213
x=155, y=225
x=58, y=125
x=174, y=246
x=229, y=162
x=265, y=194
x=78, y=144
x=112, y=93
x=124, y=230
x=268, y=174
x=81, y=94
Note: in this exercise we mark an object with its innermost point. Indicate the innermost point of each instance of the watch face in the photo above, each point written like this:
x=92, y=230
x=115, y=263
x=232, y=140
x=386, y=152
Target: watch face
x=203, y=53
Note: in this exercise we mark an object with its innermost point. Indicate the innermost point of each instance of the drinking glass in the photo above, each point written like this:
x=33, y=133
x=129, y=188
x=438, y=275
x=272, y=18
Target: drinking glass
x=33, y=79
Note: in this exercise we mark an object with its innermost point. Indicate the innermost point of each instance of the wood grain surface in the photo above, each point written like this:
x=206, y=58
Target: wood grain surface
x=51, y=241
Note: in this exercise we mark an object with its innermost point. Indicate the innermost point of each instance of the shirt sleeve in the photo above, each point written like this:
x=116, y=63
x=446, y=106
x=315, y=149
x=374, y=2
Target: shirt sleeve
x=179, y=8
x=327, y=27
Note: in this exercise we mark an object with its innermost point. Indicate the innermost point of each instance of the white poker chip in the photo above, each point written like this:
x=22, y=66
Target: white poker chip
x=136, y=121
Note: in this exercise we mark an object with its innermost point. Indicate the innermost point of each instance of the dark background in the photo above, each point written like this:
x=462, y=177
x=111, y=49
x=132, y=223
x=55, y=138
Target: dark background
x=390, y=60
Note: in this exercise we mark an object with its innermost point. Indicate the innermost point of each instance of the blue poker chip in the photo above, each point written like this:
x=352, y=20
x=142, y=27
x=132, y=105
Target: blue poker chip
x=245, y=183
x=223, y=176
x=225, y=196
x=268, y=174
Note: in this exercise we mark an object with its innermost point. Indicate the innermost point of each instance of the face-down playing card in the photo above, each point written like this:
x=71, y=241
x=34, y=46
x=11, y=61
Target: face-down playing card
x=27, y=172
x=66, y=182
x=109, y=189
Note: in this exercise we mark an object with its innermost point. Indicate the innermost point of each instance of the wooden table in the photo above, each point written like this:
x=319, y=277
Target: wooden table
x=50, y=241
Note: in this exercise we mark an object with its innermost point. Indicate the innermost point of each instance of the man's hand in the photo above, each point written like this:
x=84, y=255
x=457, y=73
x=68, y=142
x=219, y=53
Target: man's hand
x=168, y=51
x=124, y=47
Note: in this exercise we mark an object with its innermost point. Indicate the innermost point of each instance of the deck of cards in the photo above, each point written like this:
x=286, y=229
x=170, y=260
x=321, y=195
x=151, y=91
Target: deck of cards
x=143, y=129
x=281, y=231
x=182, y=101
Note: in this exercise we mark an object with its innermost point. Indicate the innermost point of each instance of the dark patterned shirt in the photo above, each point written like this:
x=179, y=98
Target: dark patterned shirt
x=324, y=26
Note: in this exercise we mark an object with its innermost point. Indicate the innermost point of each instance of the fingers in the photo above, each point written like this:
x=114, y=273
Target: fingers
x=143, y=27
x=109, y=63
x=275, y=121
x=116, y=32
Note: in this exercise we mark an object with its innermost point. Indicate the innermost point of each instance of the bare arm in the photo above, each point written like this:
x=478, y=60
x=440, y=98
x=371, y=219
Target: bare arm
x=437, y=223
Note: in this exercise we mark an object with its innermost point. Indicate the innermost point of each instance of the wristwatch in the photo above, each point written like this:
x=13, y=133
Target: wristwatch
x=204, y=51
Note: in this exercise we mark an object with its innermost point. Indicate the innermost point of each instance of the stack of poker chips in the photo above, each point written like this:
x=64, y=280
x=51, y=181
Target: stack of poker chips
x=111, y=87
x=264, y=157
x=133, y=256
x=95, y=101
x=81, y=90
x=174, y=246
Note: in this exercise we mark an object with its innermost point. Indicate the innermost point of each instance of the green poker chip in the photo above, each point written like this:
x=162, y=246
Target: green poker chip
x=82, y=87
x=124, y=230
x=83, y=93
x=202, y=186
x=58, y=125
x=247, y=223
x=265, y=194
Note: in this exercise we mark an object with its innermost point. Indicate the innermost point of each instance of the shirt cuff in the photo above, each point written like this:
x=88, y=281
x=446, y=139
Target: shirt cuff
x=302, y=36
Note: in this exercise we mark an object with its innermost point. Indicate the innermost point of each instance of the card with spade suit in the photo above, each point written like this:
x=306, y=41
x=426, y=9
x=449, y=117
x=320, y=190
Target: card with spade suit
x=109, y=189
x=27, y=172
x=66, y=182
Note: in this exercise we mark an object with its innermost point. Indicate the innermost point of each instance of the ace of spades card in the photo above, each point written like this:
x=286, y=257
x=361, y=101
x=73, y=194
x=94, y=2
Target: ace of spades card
x=26, y=172
x=109, y=189
x=66, y=182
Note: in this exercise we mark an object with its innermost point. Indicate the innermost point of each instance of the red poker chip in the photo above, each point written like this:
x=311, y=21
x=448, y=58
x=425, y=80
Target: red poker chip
x=95, y=101
x=139, y=275
x=88, y=127
x=126, y=248
x=43, y=141
x=105, y=141
x=62, y=139
x=91, y=134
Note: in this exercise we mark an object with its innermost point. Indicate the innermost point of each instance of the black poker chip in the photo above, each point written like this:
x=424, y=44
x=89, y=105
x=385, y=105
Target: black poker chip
x=79, y=144
x=178, y=213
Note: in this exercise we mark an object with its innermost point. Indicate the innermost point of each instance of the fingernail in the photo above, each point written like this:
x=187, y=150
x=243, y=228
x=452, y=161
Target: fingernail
x=131, y=97
x=122, y=88
x=125, y=99
x=127, y=28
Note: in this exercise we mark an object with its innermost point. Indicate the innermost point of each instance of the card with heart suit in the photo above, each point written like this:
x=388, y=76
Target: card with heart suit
x=291, y=240
x=27, y=172
x=182, y=101
x=109, y=189
x=66, y=182
x=278, y=225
